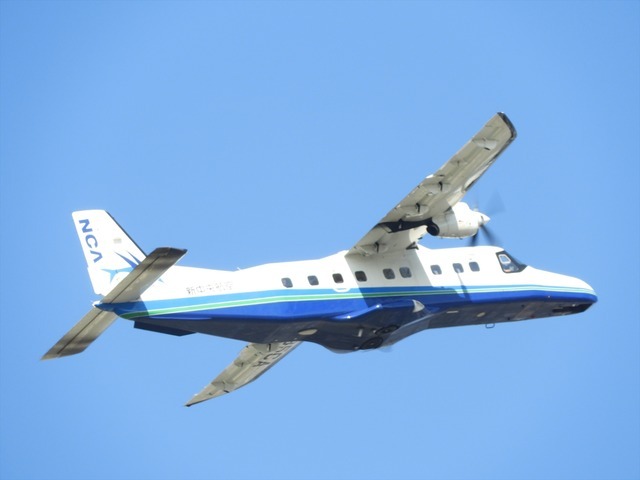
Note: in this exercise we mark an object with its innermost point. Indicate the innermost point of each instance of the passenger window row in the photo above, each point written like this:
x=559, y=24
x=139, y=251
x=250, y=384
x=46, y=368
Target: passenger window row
x=457, y=268
x=389, y=274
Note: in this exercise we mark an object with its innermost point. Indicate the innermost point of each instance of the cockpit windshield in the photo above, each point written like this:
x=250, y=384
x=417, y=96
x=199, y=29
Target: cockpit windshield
x=509, y=264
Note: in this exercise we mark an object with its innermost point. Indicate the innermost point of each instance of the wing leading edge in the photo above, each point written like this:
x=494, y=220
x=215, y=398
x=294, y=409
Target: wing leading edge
x=436, y=194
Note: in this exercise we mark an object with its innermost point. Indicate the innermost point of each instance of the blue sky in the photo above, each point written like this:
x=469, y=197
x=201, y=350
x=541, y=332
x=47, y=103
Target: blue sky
x=254, y=132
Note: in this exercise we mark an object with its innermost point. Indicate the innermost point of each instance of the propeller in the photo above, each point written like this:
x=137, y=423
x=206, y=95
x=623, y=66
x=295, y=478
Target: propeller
x=495, y=206
x=490, y=236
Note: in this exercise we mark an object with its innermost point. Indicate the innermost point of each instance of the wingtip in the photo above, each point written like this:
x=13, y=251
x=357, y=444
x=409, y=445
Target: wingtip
x=197, y=399
x=193, y=402
x=507, y=121
x=50, y=355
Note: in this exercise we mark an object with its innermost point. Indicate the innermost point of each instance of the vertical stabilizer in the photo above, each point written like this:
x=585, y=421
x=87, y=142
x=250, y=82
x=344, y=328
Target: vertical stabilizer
x=110, y=253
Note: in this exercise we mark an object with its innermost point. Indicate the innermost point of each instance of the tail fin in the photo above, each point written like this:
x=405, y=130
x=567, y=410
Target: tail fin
x=110, y=253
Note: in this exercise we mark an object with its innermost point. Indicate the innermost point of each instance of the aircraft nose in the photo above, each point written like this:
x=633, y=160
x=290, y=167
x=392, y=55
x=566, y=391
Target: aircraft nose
x=588, y=290
x=579, y=291
x=573, y=296
x=574, y=292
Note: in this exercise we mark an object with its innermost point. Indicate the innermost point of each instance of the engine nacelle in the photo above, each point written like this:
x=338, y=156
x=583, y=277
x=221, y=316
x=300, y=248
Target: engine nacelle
x=458, y=222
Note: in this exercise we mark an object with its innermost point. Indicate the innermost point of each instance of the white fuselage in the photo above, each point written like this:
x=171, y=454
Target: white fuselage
x=342, y=301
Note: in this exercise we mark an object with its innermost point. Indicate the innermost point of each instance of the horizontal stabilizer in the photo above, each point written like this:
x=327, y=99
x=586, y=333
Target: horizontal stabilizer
x=130, y=288
x=144, y=275
x=82, y=334
x=253, y=361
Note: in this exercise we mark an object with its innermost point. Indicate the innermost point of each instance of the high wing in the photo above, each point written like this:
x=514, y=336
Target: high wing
x=407, y=223
x=253, y=361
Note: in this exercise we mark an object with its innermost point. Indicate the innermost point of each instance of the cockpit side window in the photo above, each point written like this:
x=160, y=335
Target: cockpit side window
x=509, y=264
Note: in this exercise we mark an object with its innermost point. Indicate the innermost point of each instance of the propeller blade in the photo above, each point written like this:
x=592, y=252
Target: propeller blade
x=493, y=240
x=496, y=205
x=489, y=235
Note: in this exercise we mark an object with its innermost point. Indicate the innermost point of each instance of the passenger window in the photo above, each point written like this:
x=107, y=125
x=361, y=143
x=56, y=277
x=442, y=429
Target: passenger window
x=389, y=274
x=338, y=278
x=405, y=272
x=313, y=280
x=286, y=281
x=361, y=276
x=436, y=270
x=474, y=266
x=457, y=267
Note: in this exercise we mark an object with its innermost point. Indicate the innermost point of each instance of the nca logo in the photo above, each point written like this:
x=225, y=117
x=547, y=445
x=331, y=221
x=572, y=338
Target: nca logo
x=91, y=240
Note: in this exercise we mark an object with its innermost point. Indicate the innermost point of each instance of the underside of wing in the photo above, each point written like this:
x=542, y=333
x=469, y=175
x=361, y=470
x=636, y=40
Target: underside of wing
x=253, y=361
x=407, y=223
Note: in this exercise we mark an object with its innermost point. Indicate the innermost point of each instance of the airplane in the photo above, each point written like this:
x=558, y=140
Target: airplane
x=383, y=289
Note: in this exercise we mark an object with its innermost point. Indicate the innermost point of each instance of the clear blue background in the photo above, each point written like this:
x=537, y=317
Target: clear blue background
x=254, y=132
